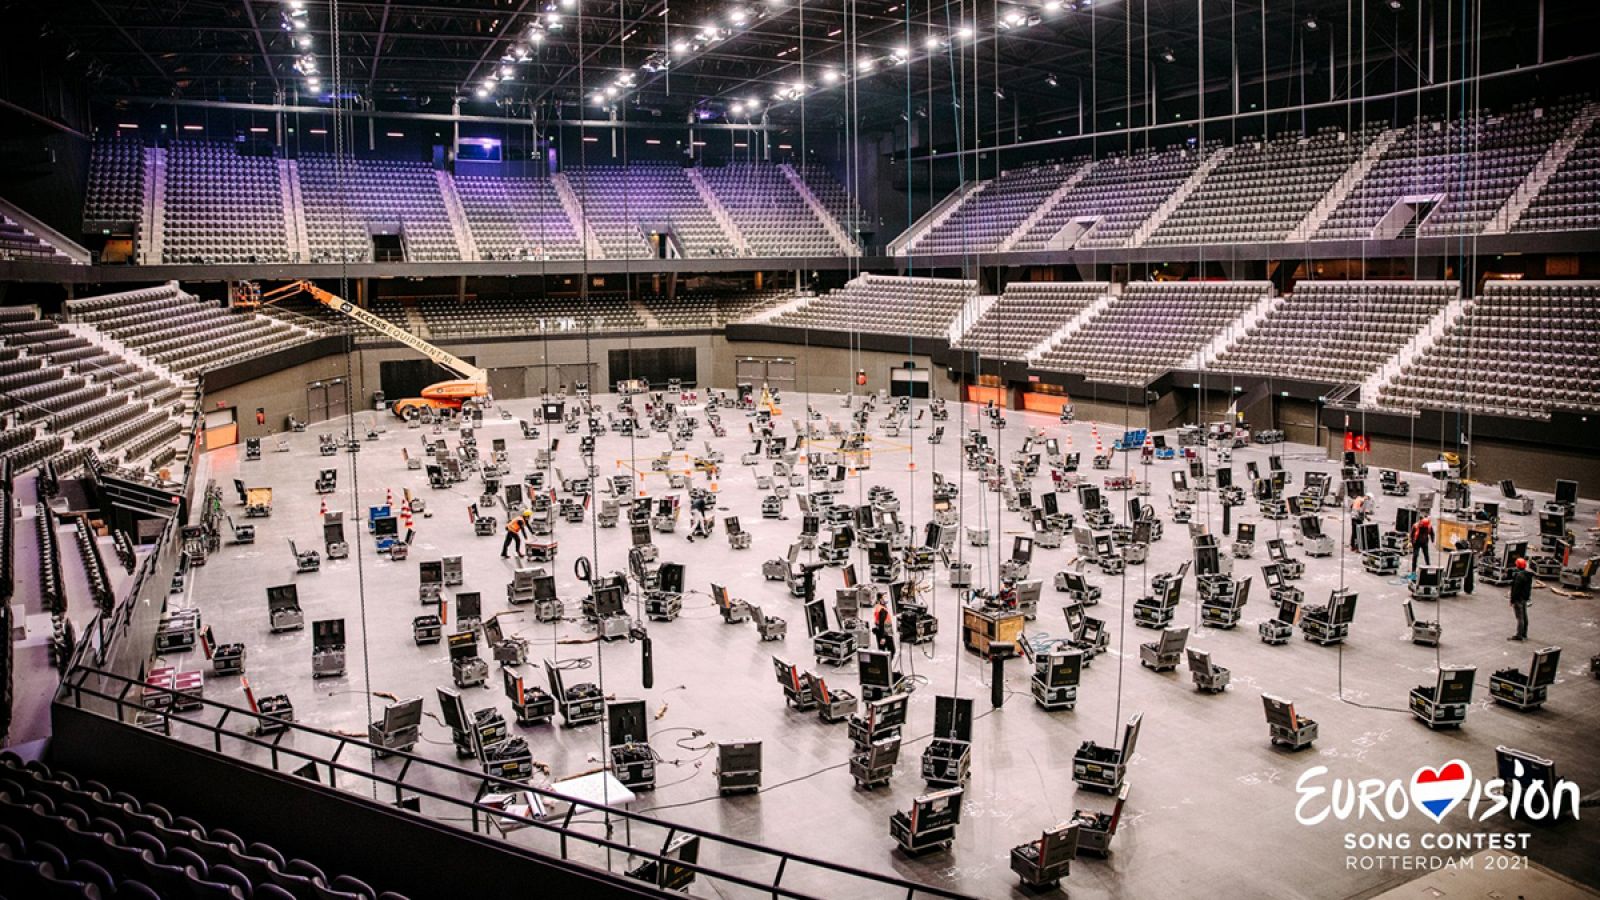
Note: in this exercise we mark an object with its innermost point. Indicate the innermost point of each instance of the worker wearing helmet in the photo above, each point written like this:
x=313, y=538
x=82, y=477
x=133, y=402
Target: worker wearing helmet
x=1521, y=594
x=514, y=534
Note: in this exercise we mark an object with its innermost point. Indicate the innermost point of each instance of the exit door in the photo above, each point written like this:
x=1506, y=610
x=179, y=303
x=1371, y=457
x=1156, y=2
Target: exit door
x=326, y=400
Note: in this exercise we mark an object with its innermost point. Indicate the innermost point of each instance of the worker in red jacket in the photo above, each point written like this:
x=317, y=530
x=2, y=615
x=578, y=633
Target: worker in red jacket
x=1421, y=535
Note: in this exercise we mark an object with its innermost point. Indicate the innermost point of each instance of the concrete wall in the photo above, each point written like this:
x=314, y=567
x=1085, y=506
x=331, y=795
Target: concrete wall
x=1533, y=468
x=542, y=353
x=825, y=370
x=283, y=394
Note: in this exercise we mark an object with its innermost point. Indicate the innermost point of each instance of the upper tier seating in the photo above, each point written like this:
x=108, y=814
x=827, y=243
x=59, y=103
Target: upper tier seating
x=61, y=837
x=987, y=217
x=1522, y=349
x=222, y=207
x=1027, y=313
x=1119, y=193
x=834, y=198
x=1262, y=190
x=625, y=203
x=518, y=218
x=379, y=196
x=774, y=219
x=1151, y=328
x=886, y=304
x=1473, y=164
x=1567, y=201
x=1337, y=331
x=115, y=190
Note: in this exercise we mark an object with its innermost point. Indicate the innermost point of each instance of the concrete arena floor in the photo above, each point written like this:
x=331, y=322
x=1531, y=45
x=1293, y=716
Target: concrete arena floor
x=1212, y=806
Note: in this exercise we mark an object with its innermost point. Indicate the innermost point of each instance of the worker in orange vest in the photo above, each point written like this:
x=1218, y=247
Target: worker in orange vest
x=514, y=534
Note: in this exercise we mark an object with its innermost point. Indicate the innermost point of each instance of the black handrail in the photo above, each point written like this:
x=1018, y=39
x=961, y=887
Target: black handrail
x=73, y=691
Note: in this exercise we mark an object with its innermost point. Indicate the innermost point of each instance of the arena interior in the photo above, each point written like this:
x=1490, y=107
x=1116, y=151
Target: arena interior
x=798, y=449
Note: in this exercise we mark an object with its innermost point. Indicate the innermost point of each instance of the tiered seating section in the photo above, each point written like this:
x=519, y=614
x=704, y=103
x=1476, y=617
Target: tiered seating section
x=1262, y=190
x=774, y=219
x=1567, y=202
x=624, y=204
x=61, y=837
x=1463, y=172
x=985, y=219
x=1337, y=331
x=62, y=386
x=1115, y=196
x=374, y=196
x=115, y=191
x=702, y=311
x=886, y=304
x=1473, y=164
x=518, y=218
x=1150, y=328
x=1521, y=349
x=17, y=242
x=533, y=317
x=222, y=207
x=181, y=333
x=1025, y=315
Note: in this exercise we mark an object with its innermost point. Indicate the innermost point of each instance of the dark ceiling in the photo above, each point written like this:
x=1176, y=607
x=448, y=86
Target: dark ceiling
x=1057, y=58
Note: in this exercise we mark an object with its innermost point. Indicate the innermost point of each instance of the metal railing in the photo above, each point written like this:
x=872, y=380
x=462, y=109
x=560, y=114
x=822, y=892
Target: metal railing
x=235, y=732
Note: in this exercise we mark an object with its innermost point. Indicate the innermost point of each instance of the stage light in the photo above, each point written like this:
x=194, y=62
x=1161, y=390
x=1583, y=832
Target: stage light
x=737, y=109
x=680, y=47
x=753, y=104
x=932, y=43
x=737, y=17
x=830, y=76
x=481, y=93
x=1312, y=24
x=1168, y=56
x=965, y=33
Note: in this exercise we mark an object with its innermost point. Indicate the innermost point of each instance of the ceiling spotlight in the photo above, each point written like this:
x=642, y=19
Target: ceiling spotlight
x=932, y=43
x=482, y=93
x=737, y=109
x=568, y=4
x=1053, y=6
x=1168, y=56
x=553, y=20
x=505, y=71
x=1312, y=24
x=1051, y=80
x=1014, y=18
x=297, y=4
x=680, y=47
x=865, y=65
x=599, y=99
x=737, y=17
x=902, y=52
x=830, y=76
x=752, y=104
x=537, y=37
x=1396, y=5
x=611, y=91
x=965, y=33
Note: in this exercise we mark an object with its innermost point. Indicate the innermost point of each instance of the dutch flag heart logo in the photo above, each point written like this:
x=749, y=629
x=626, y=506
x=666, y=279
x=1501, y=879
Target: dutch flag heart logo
x=1438, y=790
